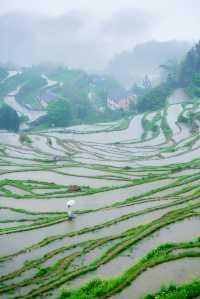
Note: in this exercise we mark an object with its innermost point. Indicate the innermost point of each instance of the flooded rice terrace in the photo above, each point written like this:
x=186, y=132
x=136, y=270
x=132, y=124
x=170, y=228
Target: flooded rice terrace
x=134, y=190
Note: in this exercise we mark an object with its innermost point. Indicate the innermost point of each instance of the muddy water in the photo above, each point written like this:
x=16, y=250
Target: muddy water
x=11, y=215
x=177, y=232
x=40, y=144
x=22, y=110
x=186, y=157
x=14, y=242
x=178, y=96
x=11, y=168
x=86, y=171
x=22, y=277
x=51, y=191
x=17, y=190
x=106, y=231
x=84, y=128
x=185, y=132
x=95, y=153
x=11, y=266
x=172, y=116
x=134, y=131
x=176, y=272
x=48, y=176
x=21, y=154
x=92, y=201
x=185, y=230
x=15, y=223
x=9, y=139
x=21, y=161
x=118, y=265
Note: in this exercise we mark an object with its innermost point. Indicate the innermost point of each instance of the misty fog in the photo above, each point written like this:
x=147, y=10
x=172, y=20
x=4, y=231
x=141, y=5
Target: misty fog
x=87, y=34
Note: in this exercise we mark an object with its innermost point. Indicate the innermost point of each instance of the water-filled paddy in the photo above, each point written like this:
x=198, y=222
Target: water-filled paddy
x=134, y=197
x=180, y=271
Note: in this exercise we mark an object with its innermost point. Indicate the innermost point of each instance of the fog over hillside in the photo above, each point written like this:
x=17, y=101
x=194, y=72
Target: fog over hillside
x=84, y=35
x=131, y=66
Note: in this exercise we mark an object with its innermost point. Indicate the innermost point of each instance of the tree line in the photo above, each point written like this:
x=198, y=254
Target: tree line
x=185, y=74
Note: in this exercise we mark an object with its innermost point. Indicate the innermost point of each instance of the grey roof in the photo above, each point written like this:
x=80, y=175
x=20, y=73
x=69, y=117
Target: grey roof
x=47, y=95
x=119, y=94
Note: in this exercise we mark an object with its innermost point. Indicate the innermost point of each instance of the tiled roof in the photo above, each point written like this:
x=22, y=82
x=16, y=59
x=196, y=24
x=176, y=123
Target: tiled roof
x=119, y=94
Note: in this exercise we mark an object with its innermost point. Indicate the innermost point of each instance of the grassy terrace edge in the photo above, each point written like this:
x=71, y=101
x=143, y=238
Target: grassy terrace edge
x=185, y=291
x=132, y=237
x=98, y=288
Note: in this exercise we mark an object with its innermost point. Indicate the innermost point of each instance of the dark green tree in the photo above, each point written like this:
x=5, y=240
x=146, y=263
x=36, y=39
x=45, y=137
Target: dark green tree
x=9, y=119
x=190, y=72
x=190, y=65
x=155, y=99
x=59, y=113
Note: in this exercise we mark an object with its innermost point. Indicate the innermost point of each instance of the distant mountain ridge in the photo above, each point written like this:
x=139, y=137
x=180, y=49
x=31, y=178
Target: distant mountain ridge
x=130, y=67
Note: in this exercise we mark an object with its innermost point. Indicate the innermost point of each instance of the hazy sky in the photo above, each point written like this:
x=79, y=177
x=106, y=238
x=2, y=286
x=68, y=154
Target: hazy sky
x=102, y=27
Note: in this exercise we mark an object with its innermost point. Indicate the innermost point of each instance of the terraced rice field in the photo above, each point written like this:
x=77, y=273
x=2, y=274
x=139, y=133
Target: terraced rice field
x=137, y=210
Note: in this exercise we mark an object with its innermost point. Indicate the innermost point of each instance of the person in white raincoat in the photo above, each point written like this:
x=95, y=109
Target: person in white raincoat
x=70, y=213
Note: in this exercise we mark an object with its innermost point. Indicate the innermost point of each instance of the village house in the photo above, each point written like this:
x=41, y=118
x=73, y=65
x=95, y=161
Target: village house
x=120, y=99
x=46, y=96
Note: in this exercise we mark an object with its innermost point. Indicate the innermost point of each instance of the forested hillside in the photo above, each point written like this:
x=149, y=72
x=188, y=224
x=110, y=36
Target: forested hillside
x=60, y=96
x=131, y=66
x=190, y=72
x=49, y=90
x=9, y=120
x=185, y=74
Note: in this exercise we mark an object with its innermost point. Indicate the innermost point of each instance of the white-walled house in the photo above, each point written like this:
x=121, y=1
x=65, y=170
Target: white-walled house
x=120, y=99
